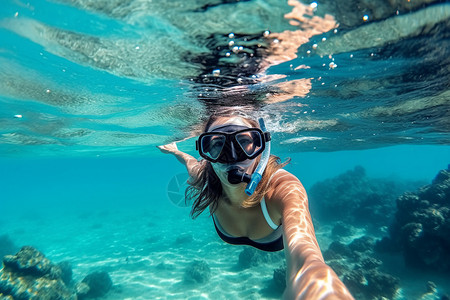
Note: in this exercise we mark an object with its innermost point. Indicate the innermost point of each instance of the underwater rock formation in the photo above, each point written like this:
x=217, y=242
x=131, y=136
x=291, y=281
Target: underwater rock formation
x=30, y=275
x=251, y=257
x=360, y=271
x=342, y=229
x=421, y=227
x=94, y=285
x=66, y=272
x=372, y=284
x=197, y=272
x=279, y=277
x=354, y=198
x=184, y=238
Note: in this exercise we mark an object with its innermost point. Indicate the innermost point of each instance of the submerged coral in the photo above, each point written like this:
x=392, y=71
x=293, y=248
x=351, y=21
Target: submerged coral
x=360, y=271
x=94, y=285
x=421, y=227
x=30, y=275
x=197, y=272
x=354, y=198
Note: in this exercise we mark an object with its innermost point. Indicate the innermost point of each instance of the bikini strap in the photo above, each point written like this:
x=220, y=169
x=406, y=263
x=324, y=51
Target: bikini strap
x=266, y=215
x=264, y=207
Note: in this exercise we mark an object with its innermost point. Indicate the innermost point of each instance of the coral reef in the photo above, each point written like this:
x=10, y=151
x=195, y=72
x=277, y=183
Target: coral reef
x=251, y=257
x=30, y=275
x=354, y=198
x=197, y=272
x=361, y=272
x=66, y=272
x=279, y=277
x=421, y=227
x=94, y=285
x=342, y=229
x=184, y=238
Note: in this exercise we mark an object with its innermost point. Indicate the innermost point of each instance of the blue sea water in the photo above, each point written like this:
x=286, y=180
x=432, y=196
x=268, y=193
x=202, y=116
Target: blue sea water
x=89, y=89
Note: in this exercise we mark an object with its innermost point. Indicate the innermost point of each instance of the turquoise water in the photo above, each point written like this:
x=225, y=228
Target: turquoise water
x=88, y=89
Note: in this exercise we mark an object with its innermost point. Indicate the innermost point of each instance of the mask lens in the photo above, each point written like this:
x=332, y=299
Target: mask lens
x=249, y=141
x=212, y=145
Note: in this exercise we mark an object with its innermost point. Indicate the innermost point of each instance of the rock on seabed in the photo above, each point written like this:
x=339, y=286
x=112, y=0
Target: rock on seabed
x=30, y=275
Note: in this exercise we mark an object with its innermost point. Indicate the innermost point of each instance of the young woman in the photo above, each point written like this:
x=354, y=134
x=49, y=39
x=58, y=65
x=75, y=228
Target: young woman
x=270, y=214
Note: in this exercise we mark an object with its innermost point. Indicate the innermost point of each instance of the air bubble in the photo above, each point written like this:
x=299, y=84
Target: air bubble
x=266, y=33
x=332, y=65
x=365, y=18
x=324, y=39
x=227, y=54
x=314, y=46
x=230, y=43
x=231, y=35
x=216, y=72
x=313, y=5
x=18, y=116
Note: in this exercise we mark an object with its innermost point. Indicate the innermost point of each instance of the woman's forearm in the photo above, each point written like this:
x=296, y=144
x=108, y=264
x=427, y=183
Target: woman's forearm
x=184, y=158
x=308, y=277
x=188, y=160
x=315, y=280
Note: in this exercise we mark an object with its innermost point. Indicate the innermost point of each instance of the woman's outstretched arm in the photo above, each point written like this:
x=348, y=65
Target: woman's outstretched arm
x=308, y=277
x=192, y=165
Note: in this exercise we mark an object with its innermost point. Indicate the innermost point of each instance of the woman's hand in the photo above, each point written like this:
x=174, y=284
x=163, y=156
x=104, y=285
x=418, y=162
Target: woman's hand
x=189, y=161
x=169, y=148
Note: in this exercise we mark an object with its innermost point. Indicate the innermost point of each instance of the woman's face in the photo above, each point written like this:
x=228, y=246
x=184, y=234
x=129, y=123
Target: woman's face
x=246, y=166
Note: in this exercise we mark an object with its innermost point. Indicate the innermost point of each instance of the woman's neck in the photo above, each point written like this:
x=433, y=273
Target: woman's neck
x=235, y=194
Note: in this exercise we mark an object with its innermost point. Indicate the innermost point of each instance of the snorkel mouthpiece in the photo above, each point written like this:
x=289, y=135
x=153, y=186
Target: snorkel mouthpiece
x=257, y=175
x=236, y=176
x=253, y=183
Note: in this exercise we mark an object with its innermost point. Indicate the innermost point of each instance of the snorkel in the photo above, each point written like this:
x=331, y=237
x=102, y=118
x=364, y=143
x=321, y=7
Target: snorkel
x=237, y=175
x=257, y=175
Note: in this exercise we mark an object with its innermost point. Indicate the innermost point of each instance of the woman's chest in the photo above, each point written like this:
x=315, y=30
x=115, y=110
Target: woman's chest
x=243, y=222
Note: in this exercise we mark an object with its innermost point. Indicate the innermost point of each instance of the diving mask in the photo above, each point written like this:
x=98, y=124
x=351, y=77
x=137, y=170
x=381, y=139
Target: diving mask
x=232, y=143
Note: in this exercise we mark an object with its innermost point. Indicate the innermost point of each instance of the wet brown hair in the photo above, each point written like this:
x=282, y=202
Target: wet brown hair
x=206, y=190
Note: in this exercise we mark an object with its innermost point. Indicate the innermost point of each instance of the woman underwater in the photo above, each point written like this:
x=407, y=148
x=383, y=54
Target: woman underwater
x=272, y=217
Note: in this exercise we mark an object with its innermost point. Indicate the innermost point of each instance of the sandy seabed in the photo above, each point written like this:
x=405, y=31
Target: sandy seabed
x=146, y=254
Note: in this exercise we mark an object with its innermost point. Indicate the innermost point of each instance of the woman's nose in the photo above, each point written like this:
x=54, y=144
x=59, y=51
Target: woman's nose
x=233, y=152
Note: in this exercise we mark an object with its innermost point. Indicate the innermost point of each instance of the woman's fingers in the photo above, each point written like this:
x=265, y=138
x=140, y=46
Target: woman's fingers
x=169, y=148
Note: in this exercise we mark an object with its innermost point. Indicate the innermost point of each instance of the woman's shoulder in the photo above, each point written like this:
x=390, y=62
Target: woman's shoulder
x=281, y=176
x=282, y=183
